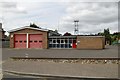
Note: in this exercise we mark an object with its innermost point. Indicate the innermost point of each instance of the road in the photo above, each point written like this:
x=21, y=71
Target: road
x=19, y=77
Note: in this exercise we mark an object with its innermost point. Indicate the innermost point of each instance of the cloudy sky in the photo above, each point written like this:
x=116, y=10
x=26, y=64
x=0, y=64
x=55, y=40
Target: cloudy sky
x=93, y=17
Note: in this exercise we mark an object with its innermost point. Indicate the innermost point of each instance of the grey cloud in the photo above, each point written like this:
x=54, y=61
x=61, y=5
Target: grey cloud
x=91, y=15
x=14, y=11
x=8, y=4
x=11, y=7
x=98, y=19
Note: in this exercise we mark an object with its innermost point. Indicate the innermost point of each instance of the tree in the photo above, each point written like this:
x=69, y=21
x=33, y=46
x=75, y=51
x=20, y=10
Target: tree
x=107, y=36
x=110, y=38
x=67, y=34
x=117, y=35
x=33, y=25
x=100, y=34
x=56, y=31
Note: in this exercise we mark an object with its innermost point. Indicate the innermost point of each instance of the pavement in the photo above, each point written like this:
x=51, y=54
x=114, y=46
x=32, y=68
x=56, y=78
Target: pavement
x=36, y=68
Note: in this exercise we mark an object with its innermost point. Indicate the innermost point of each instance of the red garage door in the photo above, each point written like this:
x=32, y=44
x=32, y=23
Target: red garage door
x=20, y=40
x=35, y=41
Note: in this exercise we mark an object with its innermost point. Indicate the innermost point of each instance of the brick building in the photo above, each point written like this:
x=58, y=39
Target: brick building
x=90, y=42
x=28, y=37
x=2, y=32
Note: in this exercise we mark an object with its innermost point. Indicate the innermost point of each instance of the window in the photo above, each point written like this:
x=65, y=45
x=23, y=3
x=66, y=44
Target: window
x=25, y=41
x=70, y=45
x=30, y=41
x=50, y=41
x=16, y=41
x=58, y=45
x=40, y=41
x=20, y=41
x=70, y=40
x=62, y=45
x=54, y=41
x=58, y=41
x=54, y=45
x=62, y=41
x=35, y=41
x=50, y=45
x=66, y=41
x=66, y=45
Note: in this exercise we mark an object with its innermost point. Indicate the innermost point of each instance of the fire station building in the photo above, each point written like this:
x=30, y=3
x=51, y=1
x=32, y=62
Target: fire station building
x=29, y=37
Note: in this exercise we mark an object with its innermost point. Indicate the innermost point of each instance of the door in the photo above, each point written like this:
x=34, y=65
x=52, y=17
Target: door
x=20, y=41
x=35, y=40
x=74, y=44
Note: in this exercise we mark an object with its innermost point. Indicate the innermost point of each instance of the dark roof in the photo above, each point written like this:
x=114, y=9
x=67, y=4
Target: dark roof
x=41, y=29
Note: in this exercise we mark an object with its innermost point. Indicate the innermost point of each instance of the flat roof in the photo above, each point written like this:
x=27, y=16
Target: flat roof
x=91, y=36
x=71, y=36
x=62, y=36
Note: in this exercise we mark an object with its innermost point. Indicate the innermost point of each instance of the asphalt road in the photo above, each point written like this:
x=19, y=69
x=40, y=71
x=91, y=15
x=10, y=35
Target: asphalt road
x=109, y=52
x=21, y=77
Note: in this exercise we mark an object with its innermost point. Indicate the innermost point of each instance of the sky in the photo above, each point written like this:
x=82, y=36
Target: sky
x=93, y=17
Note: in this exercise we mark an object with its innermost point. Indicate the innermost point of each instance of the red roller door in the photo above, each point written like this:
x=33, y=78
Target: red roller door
x=20, y=41
x=35, y=41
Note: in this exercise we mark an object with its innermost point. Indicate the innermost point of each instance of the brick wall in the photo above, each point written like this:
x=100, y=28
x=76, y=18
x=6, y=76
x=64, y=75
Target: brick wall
x=90, y=42
x=30, y=31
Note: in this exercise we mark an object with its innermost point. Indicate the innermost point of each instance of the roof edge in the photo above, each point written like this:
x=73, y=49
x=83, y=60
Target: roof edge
x=91, y=36
x=26, y=27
